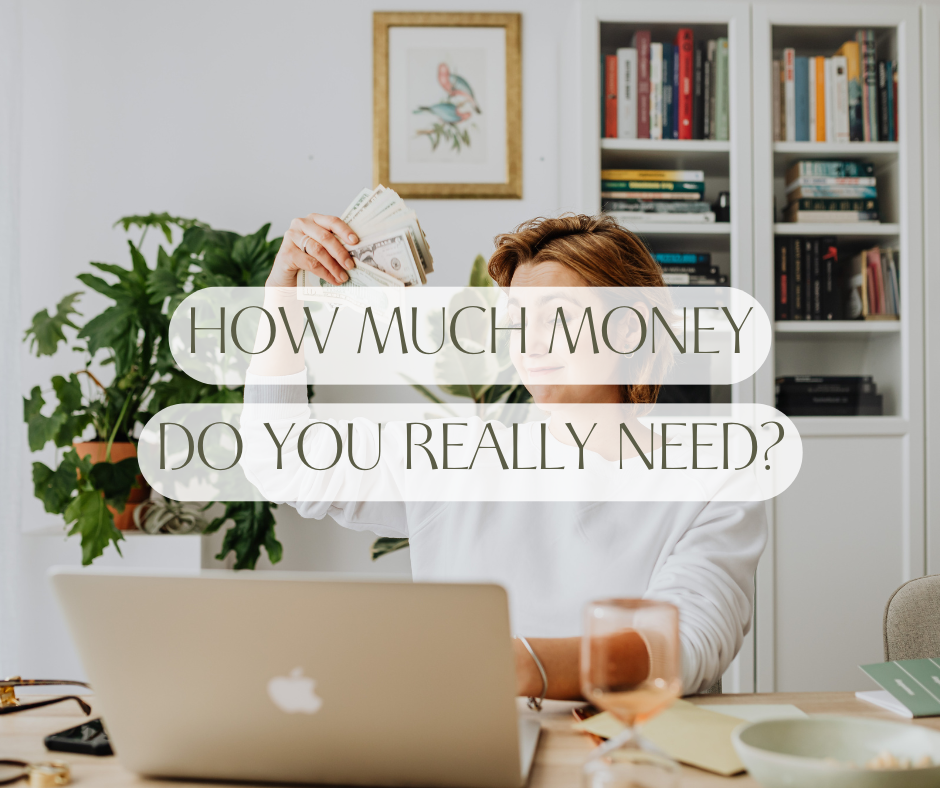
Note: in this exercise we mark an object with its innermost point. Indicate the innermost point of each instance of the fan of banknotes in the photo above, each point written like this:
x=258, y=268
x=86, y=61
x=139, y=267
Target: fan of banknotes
x=392, y=250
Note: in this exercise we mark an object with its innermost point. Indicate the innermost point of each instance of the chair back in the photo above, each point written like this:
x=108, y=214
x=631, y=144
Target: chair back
x=912, y=620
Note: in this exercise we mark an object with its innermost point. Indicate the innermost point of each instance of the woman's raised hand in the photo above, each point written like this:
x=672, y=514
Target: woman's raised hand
x=313, y=243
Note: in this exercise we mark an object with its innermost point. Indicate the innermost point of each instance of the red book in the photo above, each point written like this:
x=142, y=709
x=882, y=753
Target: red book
x=686, y=68
x=610, y=96
x=641, y=43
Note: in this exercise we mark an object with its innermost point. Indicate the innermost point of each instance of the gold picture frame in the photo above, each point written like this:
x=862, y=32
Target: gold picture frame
x=510, y=187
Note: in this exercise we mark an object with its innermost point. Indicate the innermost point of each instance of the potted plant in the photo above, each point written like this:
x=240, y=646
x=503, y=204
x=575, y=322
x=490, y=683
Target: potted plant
x=97, y=481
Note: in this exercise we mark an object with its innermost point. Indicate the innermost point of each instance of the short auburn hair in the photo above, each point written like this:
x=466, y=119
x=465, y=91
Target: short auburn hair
x=599, y=250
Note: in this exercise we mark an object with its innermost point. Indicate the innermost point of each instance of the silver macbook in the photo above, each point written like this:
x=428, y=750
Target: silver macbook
x=301, y=678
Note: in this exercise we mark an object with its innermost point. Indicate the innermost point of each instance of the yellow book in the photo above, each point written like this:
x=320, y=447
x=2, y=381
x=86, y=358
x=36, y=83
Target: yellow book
x=849, y=50
x=652, y=175
x=820, y=99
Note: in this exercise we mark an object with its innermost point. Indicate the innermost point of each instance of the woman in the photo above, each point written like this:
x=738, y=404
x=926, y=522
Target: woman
x=551, y=557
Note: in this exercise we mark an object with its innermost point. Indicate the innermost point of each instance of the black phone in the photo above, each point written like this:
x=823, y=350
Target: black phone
x=89, y=738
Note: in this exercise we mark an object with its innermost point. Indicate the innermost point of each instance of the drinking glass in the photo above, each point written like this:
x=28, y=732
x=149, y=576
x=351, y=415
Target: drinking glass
x=630, y=667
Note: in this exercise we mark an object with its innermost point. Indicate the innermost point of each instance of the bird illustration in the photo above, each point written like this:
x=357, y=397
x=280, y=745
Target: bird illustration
x=456, y=85
x=447, y=112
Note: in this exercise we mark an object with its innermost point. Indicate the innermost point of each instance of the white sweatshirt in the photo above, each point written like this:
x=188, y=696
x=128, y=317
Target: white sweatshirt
x=552, y=558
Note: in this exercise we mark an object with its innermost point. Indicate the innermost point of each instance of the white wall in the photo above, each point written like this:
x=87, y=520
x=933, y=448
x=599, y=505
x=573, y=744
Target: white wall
x=235, y=113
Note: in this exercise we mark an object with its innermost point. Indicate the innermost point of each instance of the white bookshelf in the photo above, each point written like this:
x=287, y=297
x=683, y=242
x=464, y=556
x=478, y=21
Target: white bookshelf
x=851, y=528
x=603, y=26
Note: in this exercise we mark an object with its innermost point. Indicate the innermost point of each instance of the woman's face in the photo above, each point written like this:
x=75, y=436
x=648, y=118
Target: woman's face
x=554, y=378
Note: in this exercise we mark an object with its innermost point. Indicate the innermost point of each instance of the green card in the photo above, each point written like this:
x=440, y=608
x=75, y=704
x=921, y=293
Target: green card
x=914, y=682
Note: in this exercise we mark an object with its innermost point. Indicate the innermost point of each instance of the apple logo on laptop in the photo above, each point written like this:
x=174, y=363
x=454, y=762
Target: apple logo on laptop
x=294, y=693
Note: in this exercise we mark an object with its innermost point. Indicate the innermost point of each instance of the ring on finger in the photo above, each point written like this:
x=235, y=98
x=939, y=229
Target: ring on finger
x=303, y=248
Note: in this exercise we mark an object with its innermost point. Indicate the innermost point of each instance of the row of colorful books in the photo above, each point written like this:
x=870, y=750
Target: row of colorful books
x=665, y=91
x=831, y=191
x=689, y=269
x=812, y=281
x=849, y=97
x=655, y=195
x=829, y=395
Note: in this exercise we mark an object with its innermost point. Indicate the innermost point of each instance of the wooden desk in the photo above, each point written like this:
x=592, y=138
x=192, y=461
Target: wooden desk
x=558, y=761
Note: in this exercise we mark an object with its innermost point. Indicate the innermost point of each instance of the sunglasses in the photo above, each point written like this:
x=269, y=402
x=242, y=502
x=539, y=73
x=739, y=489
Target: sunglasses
x=9, y=703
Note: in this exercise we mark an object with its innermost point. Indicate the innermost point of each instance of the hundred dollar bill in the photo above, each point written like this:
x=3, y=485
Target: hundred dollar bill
x=393, y=253
x=356, y=203
x=408, y=220
x=365, y=287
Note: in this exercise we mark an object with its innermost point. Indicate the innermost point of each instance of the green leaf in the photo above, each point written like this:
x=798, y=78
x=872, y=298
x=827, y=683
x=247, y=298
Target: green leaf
x=115, y=479
x=99, y=285
x=55, y=488
x=33, y=405
x=479, y=276
x=252, y=529
x=47, y=331
x=69, y=392
x=112, y=328
x=42, y=429
x=385, y=545
x=94, y=523
x=161, y=220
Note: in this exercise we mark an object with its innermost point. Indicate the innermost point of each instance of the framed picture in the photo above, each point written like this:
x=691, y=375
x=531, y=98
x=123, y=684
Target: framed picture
x=447, y=97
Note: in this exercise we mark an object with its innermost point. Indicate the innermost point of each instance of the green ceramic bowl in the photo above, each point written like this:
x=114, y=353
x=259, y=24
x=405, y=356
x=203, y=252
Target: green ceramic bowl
x=824, y=751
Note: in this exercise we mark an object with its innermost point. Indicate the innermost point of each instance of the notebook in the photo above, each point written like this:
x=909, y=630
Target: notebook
x=911, y=687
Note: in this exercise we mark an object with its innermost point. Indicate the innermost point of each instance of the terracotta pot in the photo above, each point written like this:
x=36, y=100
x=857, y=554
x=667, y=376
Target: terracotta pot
x=123, y=521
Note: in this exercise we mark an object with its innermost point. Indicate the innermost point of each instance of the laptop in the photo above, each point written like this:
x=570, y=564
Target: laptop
x=296, y=677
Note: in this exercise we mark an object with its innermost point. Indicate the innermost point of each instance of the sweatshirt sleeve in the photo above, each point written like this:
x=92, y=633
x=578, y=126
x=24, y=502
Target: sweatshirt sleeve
x=348, y=495
x=709, y=576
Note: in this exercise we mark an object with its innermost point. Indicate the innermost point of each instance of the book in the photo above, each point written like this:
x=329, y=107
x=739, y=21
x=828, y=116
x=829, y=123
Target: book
x=641, y=43
x=700, y=269
x=827, y=380
x=868, y=75
x=667, y=81
x=645, y=217
x=698, y=92
x=653, y=175
x=890, y=88
x=827, y=91
x=835, y=204
x=828, y=169
x=831, y=279
x=683, y=258
x=795, y=215
x=840, y=99
x=674, y=123
x=686, y=75
x=849, y=50
x=781, y=271
x=814, y=311
x=610, y=96
x=846, y=191
x=626, y=93
x=722, y=99
x=807, y=263
x=656, y=206
x=811, y=101
x=830, y=180
x=913, y=683
x=831, y=404
x=796, y=300
x=802, y=99
x=656, y=91
x=670, y=278
x=819, y=93
x=650, y=195
x=894, y=106
x=885, y=700
x=883, y=132
x=783, y=102
x=789, y=92
x=710, y=75
x=684, y=187
x=877, y=294
x=775, y=99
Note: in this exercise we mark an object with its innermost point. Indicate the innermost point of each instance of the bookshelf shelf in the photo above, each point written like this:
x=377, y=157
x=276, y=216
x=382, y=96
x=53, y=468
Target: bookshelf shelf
x=851, y=426
x=856, y=230
x=837, y=326
x=829, y=150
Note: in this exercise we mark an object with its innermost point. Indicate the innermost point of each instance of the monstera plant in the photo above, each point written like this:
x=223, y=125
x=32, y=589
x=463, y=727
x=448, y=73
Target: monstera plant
x=96, y=481
x=488, y=394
